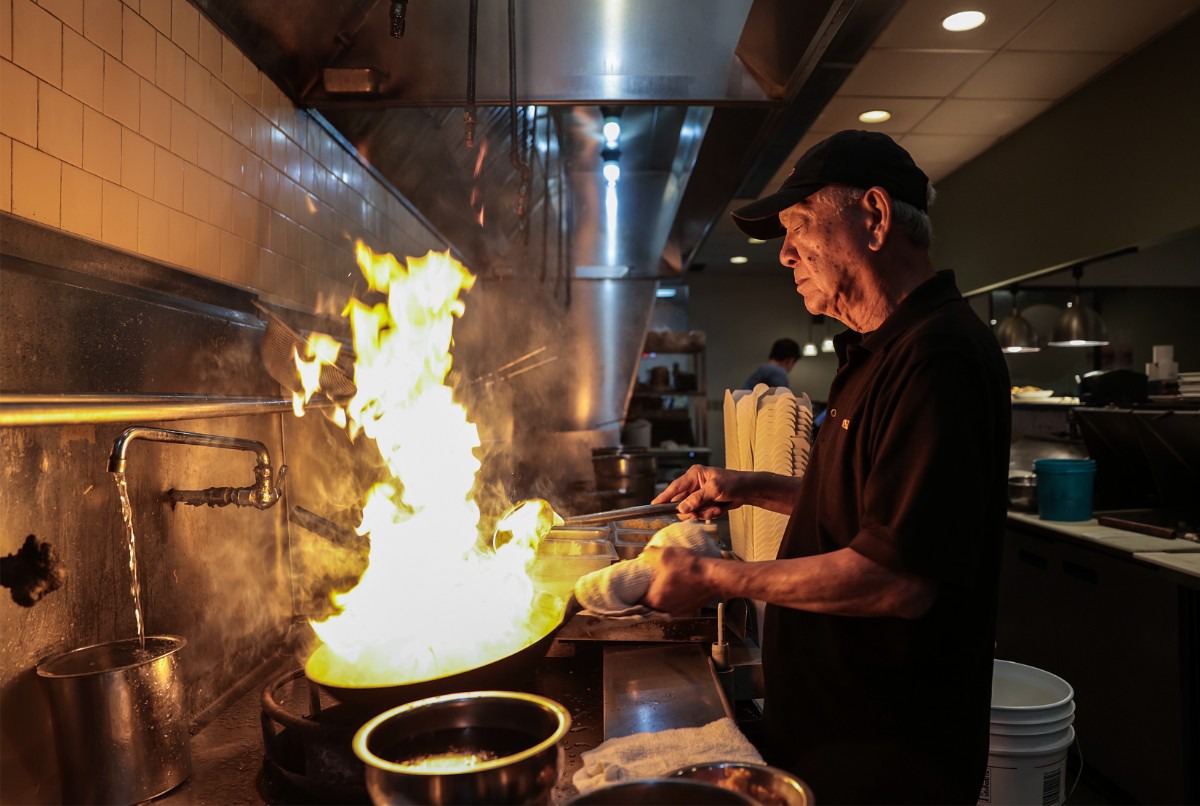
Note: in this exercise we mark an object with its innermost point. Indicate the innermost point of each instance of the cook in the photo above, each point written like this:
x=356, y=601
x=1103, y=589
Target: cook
x=879, y=629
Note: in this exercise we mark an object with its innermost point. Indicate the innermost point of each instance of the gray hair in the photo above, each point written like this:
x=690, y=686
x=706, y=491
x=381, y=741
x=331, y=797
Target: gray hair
x=912, y=221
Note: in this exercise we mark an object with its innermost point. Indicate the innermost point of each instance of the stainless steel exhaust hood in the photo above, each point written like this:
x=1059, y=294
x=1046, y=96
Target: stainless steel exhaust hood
x=711, y=97
x=723, y=86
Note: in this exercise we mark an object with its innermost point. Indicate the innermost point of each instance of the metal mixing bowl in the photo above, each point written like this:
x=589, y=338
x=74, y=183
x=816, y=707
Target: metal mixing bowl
x=662, y=792
x=1022, y=492
x=764, y=785
x=473, y=747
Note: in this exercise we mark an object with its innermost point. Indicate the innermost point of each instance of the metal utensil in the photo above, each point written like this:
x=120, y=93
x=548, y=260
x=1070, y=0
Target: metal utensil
x=278, y=351
x=608, y=516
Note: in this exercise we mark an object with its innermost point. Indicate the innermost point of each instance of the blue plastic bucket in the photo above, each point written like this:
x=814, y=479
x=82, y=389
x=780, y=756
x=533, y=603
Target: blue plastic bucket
x=1064, y=488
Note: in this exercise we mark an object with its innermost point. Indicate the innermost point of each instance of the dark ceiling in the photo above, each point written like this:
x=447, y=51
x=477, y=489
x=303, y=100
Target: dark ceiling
x=711, y=95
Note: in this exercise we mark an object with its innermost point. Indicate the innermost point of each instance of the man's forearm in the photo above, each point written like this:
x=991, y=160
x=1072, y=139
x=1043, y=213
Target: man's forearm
x=842, y=582
x=772, y=491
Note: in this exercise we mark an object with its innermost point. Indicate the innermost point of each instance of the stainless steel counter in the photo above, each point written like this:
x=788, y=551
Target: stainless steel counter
x=649, y=689
x=1090, y=531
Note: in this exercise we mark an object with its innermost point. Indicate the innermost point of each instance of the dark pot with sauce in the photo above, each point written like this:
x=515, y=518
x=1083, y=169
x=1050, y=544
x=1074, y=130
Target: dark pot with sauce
x=472, y=747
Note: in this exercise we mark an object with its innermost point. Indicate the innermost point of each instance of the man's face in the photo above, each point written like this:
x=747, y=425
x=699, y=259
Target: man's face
x=819, y=249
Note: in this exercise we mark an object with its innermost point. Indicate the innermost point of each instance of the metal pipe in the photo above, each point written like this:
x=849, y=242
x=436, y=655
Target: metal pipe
x=23, y=410
x=261, y=494
x=116, y=461
x=472, y=39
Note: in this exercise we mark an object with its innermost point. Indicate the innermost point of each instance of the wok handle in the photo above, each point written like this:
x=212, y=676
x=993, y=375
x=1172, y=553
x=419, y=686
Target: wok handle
x=621, y=514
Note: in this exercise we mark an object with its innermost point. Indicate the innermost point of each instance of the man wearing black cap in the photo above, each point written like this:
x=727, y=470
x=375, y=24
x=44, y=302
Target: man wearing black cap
x=879, y=630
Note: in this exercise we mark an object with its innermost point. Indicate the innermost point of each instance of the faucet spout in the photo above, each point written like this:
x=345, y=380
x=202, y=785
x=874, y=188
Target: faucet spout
x=261, y=495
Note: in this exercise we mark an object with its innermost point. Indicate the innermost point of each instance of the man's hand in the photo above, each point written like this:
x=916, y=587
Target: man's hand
x=678, y=585
x=703, y=493
x=708, y=492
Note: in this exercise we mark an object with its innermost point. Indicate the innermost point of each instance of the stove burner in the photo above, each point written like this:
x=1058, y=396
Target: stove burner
x=308, y=756
x=307, y=734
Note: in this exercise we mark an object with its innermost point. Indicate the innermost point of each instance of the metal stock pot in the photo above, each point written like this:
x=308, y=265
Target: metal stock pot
x=120, y=720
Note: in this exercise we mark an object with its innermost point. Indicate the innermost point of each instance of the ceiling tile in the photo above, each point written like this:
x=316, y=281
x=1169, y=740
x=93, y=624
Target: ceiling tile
x=966, y=116
x=937, y=171
x=918, y=24
x=1026, y=57
x=1034, y=74
x=1102, y=25
x=954, y=149
x=842, y=113
x=912, y=73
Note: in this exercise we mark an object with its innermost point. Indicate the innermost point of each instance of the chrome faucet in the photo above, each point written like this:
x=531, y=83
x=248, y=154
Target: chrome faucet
x=261, y=495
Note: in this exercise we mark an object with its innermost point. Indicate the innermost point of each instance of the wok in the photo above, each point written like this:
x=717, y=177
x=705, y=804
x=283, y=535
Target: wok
x=514, y=672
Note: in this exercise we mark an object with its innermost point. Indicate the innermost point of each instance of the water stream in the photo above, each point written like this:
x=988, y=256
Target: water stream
x=135, y=587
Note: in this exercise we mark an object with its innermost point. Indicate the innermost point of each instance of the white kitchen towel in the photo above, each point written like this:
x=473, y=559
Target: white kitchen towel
x=617, y=589
x=651, y=755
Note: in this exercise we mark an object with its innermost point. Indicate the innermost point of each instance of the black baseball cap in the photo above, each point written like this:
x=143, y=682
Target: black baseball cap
x=852, y=157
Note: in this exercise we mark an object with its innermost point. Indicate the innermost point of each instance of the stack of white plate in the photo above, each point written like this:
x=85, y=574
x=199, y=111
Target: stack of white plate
x=766, y=429
x=1189, y=385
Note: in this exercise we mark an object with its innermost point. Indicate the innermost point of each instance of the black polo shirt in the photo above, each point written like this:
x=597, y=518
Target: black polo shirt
x=909, y=469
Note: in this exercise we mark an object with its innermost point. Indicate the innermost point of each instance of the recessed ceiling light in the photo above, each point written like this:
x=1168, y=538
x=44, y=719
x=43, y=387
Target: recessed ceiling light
x=739, y=259
x=755, y=240
x=964, y=21
x=875, y=116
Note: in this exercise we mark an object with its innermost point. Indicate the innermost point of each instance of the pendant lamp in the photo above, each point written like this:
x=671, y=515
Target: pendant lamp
x=826, y=340
x=1079, y=325
x=1016, y=334
x=810, y=346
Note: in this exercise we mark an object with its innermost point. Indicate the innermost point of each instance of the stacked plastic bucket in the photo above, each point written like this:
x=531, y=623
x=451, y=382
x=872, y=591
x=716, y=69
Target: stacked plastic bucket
x=1031, y=732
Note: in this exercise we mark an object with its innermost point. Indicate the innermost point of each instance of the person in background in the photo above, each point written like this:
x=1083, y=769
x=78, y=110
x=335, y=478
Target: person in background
x=784, y=355
x=879, y=631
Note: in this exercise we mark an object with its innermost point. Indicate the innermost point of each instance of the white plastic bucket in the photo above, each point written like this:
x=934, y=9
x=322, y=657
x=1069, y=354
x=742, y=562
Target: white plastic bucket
x=1033, y=728
x=1030, y=734
x=1023, y=693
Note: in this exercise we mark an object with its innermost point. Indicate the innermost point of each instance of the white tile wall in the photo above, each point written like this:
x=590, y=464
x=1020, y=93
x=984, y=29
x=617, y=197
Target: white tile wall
x=39, y=52
x=139, y=125
x=6, y=29
x=83, y=69
x=36, y=185
x=5, y=173
x=81, y=202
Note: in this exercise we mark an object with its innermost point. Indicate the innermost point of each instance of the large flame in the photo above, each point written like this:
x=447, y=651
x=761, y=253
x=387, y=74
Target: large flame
x=436, y=598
